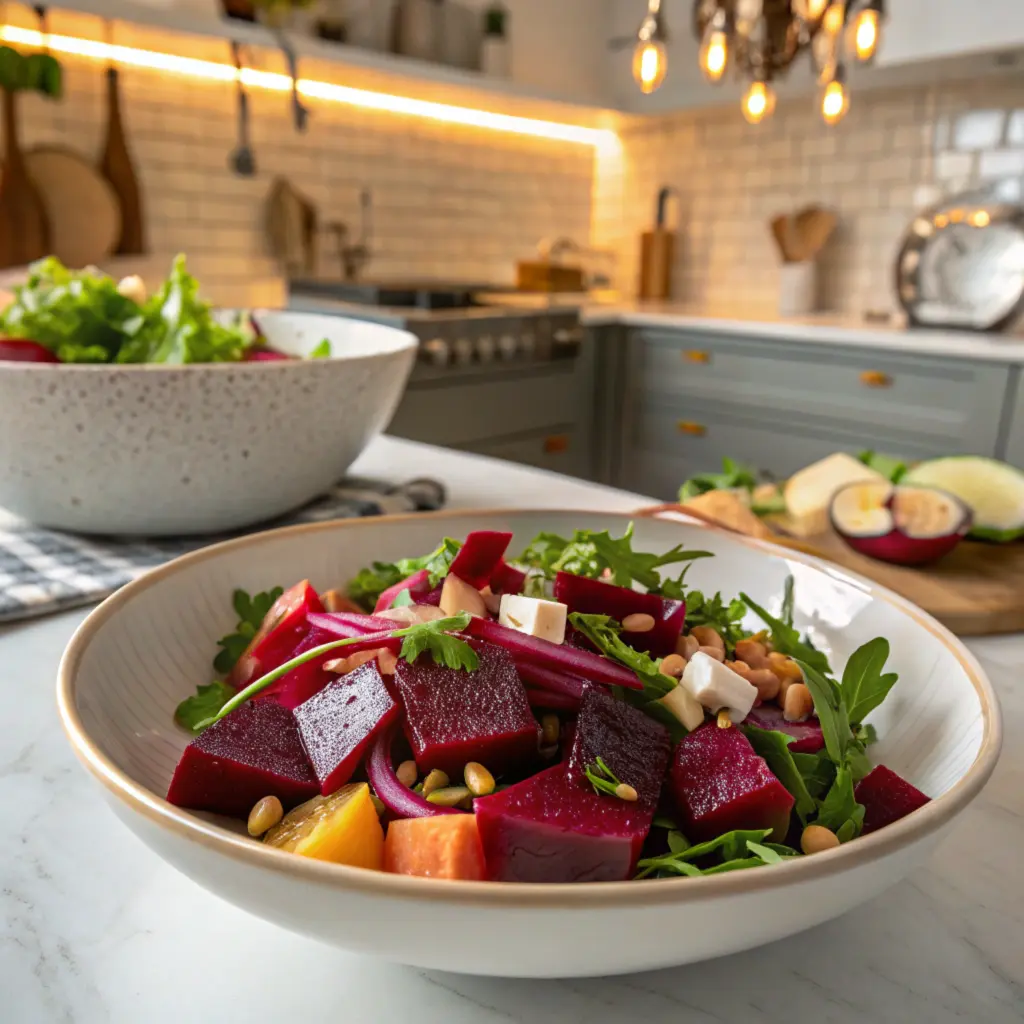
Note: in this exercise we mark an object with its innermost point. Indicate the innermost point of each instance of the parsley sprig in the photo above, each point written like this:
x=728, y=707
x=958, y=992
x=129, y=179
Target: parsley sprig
x=251, y=612
x=449, y=651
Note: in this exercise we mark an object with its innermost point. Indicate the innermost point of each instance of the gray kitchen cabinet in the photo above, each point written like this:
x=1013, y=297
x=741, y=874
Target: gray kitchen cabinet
x=561, y=450
x=688, y=398
x=1014, y=450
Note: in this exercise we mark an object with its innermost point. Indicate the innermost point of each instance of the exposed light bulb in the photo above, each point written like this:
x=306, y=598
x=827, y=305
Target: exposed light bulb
x=758, y=102
x=650, y=64
x=810, y=10
x=834, y=18
x=714, y=54
x=835, y=101
x=865, y=33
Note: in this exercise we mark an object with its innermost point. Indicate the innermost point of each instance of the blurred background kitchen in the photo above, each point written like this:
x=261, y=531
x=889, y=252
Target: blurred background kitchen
x=617, y=266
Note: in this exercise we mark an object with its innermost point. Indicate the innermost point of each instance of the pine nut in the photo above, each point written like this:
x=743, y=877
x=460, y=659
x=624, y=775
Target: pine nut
x=753, y=653
x=448, y=796
x=550, y=729
x=492, y=601
x=817, y=839
x=265, y=815
x=350, y=663
x=672, y=665
x=638, y=622
x=724, y=719
x=718, y=653
x=741, y=668
x=766, y=681
x=387, y=662
x=686, y=646
x=798, y=704
x=478, y=779
x=407, y=774
x=626, y=792
x=785, y=667
x=436, y=779
x=708, y=637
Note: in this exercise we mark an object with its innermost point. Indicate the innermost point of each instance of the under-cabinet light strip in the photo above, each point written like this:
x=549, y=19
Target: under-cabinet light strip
x=129, y=56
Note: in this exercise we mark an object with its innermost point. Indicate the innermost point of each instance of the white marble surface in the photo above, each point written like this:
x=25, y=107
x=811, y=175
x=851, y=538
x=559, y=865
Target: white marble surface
x=820, y=329
x=95, y=928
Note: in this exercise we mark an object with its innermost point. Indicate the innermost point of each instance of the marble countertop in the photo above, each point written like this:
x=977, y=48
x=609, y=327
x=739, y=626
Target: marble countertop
x=95, y=928
x=820, y=329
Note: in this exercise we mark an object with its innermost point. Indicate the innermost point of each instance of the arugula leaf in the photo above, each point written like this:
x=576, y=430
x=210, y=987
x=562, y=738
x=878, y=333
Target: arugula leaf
x=818, y=772
x=840, y=805
x=766, y=853
x=206, y=702
x=864, y=684
x=773, y=746
x=446, y=650
x=322, y=351
x=734, y=475
x=787, y=640
x=677, y=842
x=787, y=601
x=251, y=612
x=858, y=761
x=370, y=583
x=865, y=735
x=832, y=714
x=729, y=846
x=664, y=821
x=403, y=599
x=724, y=618
x=589, y=553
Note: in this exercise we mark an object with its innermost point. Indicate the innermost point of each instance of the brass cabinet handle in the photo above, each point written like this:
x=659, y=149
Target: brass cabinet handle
x=875, y=379
x=555, y=444
x=695, y=355
x=691, y=428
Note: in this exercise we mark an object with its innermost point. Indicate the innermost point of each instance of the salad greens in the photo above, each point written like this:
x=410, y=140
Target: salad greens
x=785, y=638
x=81, y=317
x=251, y=612
x=207, y=701
x=370, y=583
x=735, y=476
x=742, y=848
x=32, y=72
x=725, y=619
x=774, y=748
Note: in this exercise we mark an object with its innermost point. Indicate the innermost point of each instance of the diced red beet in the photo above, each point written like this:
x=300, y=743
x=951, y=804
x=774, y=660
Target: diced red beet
x=20, y=350
x=807, y=737
x=418, y=585
x=338, y=723
x=507, y=579
x=454, y=716
x=551, y=680
x=886, y=798
x=551, y=829
x=251, y=753
x=282, y=630
x=550, y=701
x=434, y=597
x=479, y=557
x=265, y=355
x=720, y=784
x=303, y=682
x=635, y=747
x=592, y=597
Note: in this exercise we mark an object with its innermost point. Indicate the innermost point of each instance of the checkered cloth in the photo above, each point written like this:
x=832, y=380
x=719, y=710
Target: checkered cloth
x=44, y=571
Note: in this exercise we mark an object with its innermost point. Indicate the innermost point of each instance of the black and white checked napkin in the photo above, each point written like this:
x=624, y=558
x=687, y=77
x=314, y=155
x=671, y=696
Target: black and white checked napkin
x=43, y=571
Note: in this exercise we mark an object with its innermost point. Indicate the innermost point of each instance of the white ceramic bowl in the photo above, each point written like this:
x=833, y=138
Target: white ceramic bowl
x=147, y=647
x=159, y=450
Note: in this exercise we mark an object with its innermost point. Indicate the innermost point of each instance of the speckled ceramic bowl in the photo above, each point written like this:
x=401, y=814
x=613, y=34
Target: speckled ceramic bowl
x=161, y=450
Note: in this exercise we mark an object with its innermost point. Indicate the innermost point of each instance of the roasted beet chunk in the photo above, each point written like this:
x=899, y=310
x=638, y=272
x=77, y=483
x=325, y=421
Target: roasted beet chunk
x=454, y=716
x=635, y=747
x=336, y=725
x=807, y=736
x=720, y=784
x=252, y=753
x=886, y=798
x=551, y=829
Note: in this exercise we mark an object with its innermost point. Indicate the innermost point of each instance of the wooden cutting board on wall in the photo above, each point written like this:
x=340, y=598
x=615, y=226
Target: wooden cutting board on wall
x=977, y=590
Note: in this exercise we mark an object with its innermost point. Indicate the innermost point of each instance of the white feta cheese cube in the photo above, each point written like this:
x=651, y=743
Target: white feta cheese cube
x=684, y=706
x=542, y=619
x=717, y=687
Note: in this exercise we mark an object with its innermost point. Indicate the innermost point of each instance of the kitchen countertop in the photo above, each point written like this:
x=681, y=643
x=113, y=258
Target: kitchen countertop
x=820, y=329
x=95, y=928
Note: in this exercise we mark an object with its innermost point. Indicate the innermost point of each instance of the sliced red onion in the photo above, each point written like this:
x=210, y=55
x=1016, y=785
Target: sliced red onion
x=592, y=667
x=397, y=798
x=351, y=624
x=540, y=677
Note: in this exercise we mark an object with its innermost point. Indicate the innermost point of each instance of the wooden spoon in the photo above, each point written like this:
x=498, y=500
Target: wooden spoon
x=813, y=227
x=22, y=216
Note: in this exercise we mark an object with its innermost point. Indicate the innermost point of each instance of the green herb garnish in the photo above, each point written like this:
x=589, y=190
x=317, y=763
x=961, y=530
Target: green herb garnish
x=322, y=350
x=192, y=712
x=725, y=619
x=251, y=612
x=773, y=746
x=446, y=650
x=840, y=811
x=742, y=848
x=602, y=778
x=734, y=476
x=786, y=639
x=370, y=583
x=864, y=683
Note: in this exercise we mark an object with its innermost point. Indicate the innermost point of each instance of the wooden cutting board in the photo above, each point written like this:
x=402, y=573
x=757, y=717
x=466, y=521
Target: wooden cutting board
x=977, y=590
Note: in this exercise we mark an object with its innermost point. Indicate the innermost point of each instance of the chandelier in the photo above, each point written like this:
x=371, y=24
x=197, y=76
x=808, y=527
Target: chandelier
x=761, y=39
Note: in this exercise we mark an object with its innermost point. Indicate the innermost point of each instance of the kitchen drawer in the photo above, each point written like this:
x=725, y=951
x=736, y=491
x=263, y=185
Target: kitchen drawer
x=1014, y=453
x=561, y=450
x=463, y=414
x=956, y=401
x=668, y=442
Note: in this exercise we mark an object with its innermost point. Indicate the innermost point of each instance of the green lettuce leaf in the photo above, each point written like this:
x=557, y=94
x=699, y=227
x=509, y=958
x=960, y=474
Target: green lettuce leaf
x=773, y=746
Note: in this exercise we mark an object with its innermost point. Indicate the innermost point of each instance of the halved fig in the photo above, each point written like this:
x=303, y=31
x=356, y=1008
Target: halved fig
x=905, y=525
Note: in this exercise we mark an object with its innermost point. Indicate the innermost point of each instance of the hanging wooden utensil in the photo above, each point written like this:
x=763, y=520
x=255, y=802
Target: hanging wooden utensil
x=117, y=167
x=22, y=216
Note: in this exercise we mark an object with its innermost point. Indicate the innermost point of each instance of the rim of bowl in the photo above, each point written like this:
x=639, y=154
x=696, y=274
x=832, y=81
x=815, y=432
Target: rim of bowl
x=496, y=895
x=402, y=341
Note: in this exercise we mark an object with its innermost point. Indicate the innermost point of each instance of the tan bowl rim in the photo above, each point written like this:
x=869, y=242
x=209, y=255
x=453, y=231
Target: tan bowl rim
x=917, y=826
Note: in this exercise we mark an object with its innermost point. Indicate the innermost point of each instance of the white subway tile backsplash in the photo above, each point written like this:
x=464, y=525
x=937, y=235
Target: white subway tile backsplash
x=979, y=129
x=1001, y=163
x=950, y=165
